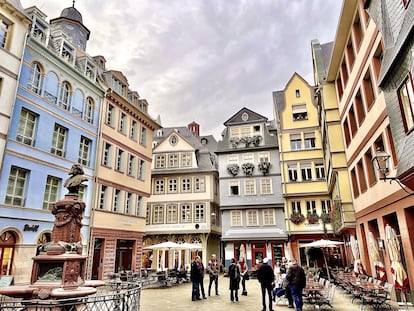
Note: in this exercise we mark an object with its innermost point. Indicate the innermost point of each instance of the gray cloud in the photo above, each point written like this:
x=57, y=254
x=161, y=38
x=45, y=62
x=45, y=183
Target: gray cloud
x=203, y=60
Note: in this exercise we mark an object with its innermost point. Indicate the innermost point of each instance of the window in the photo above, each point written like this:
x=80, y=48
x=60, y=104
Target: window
x=102, y=197
x=326, y=206
x=107, y=155
x=186, y=159
x=306, y=171
x=320, y=170
x=141, y=169
x=120, y=160
x=158, y=214
x=199, y=213
x=16, y=186
x=252, y=219
x=296, y=209
x=361, y=176
x=172, y=185
x=297, y=93
x=199, y=184
x=160, y=161
x=123, y=123
x=51, y=194
x=234, y=188
x=173, y=140
x=128, y=202
x=310, y=141
x=139, y=204
x=172, y=214
x=133, y=132
x=159, y=186
x=311, y=207
x=186, y=184
x=232, y=159
x=268, y=217
x=116, y=203
x=131, y=165
x=369, y=90
x=35, y=82
x=185, y=213
x=299, y=112
x=84, y=151
x=89, y=110
x=248, y=157
x=143, y=137
x=67, y=52
x=406, y=99
x=7, y=246
x=4, y=31
x=173, y=160
x=110, y=115
x=236, y=218
x=293, y=172
x=59, y=140
x=295, y=142
x=246, y=131
x=26, y=129
x=266, y=186
x=249, y=187
x=64, y=97
x=264, y=157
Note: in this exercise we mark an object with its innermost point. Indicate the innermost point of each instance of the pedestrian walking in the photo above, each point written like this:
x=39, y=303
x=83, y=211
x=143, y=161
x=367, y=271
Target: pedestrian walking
x=266, y=277
x=195, y=277
x=234, y=276
x=244, y=272
x=213, y=270
x=297, y=281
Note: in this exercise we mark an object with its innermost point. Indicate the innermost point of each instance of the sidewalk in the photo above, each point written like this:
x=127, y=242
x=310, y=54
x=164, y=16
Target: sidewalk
x=178, y=297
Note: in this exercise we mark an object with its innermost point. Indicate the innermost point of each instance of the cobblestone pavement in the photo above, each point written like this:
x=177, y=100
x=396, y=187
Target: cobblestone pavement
x=178, y=297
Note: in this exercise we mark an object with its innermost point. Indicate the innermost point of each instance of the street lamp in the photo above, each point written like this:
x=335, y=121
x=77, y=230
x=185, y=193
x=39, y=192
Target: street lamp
x=381, y=162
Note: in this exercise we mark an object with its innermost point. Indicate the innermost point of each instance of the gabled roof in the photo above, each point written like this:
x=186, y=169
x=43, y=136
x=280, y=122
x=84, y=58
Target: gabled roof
x=237, y=119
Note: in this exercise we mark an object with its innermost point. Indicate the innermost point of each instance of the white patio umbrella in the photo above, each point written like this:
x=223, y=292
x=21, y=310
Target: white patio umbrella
x=190, y=246
x=374, y=253
x=164, y=246
x=355, y=253
x=322, y=243
x=393, y=247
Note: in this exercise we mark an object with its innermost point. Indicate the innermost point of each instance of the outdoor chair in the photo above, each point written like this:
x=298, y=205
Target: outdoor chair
x=325, y=301
x=378, y=299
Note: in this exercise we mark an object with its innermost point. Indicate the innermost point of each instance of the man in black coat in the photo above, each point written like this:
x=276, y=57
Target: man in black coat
x=297, y=281
x=266, y=278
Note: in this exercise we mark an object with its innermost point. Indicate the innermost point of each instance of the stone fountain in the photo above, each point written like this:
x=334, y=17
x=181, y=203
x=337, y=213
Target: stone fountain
x=59, y=267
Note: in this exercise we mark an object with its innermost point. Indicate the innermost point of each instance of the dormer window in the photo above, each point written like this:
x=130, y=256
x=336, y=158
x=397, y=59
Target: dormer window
x=67, y=52
x=39, y=31
x=299, y=112
x=118, y=86
x=90, y=71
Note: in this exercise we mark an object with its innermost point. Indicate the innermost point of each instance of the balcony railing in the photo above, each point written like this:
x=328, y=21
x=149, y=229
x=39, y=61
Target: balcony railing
x=114, y=296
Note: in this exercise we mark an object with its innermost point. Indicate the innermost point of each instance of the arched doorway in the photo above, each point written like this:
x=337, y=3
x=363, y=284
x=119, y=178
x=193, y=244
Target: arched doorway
x=7, y=246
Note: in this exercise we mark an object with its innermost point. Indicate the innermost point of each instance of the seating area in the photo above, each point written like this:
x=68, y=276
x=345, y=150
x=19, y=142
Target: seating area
x=319, y=293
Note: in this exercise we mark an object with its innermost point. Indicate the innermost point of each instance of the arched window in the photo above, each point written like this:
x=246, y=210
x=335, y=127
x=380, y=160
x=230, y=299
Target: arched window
x=7, y=246
x=89, y=110
x=64, y=98
x=35, y=82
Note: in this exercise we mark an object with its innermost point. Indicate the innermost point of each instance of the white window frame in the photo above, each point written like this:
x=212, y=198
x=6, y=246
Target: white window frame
x=160, y=161
x=186, y=159
x=268, y=217
x=85, y=146
x=199, y=184
x=296, y=207
x=320, y=170
x=306, y=171
x=172, y=185
x=107, y=155
x=59, y=140
x=293, y=172
x=185, y=213
x=249, y=186
x=236, y=219
x=27, y=127
x=310, y=206
x=199, y=212
x=172, y=213
x=252, y=217
x=186, y=183
x=266, y=186
x=52, y=191
x=233, y=185
x=17, y=183
x=158, y=214
x=159, y=186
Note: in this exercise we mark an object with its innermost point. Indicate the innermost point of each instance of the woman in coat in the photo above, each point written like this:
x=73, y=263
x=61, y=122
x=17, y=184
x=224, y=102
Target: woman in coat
x=234, y=276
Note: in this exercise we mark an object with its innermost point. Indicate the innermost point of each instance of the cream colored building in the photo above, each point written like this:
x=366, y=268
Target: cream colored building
x=123, y=178
x=13, y=29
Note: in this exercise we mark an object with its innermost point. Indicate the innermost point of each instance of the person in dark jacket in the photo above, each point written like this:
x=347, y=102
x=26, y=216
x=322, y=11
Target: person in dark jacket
x=196, y=278
x=266, y=278
x=297, y=281
x=234, y=276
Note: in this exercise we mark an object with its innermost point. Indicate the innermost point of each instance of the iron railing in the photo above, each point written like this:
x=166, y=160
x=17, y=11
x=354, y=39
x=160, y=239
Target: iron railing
x=116, y=296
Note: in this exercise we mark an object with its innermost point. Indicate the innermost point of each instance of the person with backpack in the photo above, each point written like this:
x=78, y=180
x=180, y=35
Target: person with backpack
x=297, y=282
x=266, y=277
x=234, y=276
x=213, y=269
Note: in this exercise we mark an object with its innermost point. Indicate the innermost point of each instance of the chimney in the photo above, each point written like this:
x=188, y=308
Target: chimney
x=195, y=128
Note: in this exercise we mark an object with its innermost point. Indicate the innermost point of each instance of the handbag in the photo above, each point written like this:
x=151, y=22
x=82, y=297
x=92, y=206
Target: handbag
x=246, y=276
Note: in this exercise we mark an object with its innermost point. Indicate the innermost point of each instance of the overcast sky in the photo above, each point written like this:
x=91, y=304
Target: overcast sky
x=204, y=60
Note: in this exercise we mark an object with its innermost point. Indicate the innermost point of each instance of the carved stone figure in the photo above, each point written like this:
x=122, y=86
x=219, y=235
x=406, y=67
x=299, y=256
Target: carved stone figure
x=73, y=183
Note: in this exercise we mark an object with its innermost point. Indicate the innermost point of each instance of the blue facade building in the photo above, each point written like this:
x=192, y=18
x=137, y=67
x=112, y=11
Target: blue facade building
x=54, y=124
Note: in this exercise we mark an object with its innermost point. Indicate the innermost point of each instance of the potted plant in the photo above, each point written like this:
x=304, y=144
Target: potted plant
x=326, y=218
x=233, y=169
x=247, y=140
x=256, y=140
x=312, y=218
x=248, y=168
x=234, y=142
x=264, y=167
x=297, y=218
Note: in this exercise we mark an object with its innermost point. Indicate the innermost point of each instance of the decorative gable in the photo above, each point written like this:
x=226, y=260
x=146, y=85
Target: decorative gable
x=245, y=116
